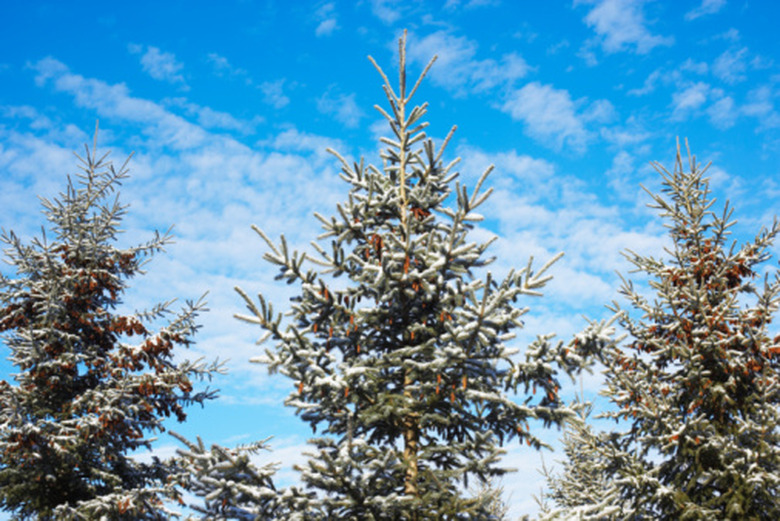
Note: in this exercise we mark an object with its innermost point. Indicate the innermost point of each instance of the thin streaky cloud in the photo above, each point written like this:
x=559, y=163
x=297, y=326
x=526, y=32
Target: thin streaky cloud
x=328, y=20
x=222, y=67
x=116, y=101
x=706, y=7
x=215, y=119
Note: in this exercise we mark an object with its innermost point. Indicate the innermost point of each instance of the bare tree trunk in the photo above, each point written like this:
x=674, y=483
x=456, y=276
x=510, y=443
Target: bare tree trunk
x=411, y=446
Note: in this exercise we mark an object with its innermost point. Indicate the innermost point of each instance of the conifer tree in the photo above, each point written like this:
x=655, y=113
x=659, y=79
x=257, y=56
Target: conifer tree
x=698, y=386
x=232, y=487
x=582, y=485
x=91, y=384
x=404, y=367
x=492, y=494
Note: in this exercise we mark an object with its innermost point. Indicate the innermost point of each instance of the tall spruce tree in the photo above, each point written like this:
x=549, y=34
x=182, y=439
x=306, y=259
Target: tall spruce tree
x=698, y=385
x=404, y=366
x=85, y=396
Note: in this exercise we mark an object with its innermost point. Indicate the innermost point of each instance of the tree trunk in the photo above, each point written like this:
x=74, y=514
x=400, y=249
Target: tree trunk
x=411, y=445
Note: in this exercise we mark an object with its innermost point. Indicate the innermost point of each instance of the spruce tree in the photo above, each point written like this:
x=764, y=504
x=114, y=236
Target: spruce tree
x=91, y=384
x=697, y=389
x=582, y=485
x=493, y=496
x=403, y=367
x=232, y=487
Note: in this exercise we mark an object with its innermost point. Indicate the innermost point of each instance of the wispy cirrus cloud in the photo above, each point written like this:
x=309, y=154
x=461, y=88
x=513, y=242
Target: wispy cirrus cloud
x=470, y=4
x=342, y=107
x=761, y=105
x=388, y=11
x=690, y=98
x=272, y=90
x=116, y=101
x=620, y=25
x=731, y=66
x=457, y=67
x=159, y=65
x=327, y=20
x=209, y=118
x=222, y=67
x=553, y=117
x=723, y=113
x=273, y=93
x=706, y=7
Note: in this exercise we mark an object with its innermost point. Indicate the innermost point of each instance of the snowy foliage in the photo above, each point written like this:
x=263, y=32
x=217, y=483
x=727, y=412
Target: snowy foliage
x=404, y=368
x=230, y=485
x=87, y=393
x=697, y=389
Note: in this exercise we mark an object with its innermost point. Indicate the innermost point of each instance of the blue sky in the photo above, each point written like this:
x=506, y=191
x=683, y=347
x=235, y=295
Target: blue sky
x=229, y=110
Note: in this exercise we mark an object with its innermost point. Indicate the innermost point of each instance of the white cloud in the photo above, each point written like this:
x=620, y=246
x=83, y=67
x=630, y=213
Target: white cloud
x=549, y=114
x=158, y=64
x=214, y=119
x=471, y=4
x=326, y=27
x=732, y=35
x=620, y=172
x=538, y=211
x=273, y=93
x=220, y=63
x=620, y=25
x=648, y=86
x=328, y=22
x=557, y=47
x=706, y=7
x=722, y=113
x=457, y=68
x=292, y=140
x=723, y=182
x=115, y=101
x=32, y=166
x=223, y=67
x=210, y=185
x=342, y=107
x=730, y=66
x=600, y=111
x=631, y=133
x=694, y=66
x=689, y=99
x=761, y=105
x=512, y=170
x=37, y=120
x=388, y=11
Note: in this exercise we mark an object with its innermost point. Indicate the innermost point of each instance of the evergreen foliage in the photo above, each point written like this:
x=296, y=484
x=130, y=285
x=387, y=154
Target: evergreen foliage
x=230, y=484
x=582, y=481
x=403, y=367
x=698, y=385
x=493, y=496
x=85, y=397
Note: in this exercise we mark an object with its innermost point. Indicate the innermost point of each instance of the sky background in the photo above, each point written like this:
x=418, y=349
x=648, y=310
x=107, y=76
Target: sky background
x=229, y=111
